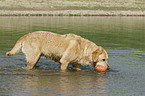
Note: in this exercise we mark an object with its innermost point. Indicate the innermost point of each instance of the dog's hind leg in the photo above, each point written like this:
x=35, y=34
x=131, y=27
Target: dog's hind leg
x=32, y=55
x=32, y=59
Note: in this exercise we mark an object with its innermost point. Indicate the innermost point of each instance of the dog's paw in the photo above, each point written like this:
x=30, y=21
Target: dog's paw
x=26, y=68
x=8, y=54
x=78, y=69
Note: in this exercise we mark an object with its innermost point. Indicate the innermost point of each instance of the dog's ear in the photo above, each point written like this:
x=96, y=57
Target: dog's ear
x=96, y=53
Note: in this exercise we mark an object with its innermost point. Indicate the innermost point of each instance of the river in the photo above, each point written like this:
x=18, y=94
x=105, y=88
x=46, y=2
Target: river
x=122, y=37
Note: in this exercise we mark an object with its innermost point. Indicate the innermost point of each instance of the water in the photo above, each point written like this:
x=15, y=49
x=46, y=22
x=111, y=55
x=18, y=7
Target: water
x=122, y=37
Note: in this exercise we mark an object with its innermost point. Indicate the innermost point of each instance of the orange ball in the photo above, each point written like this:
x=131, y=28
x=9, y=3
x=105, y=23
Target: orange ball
x=100, y=68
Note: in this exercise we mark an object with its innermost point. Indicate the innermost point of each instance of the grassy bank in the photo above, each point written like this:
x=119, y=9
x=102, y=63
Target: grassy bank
x=72, y=7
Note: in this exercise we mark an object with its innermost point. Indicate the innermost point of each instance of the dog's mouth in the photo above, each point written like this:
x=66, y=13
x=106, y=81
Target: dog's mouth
x=100, y=68
x=108, y=67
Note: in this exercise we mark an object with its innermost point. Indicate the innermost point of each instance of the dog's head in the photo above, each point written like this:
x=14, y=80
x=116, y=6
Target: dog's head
x=99, y=57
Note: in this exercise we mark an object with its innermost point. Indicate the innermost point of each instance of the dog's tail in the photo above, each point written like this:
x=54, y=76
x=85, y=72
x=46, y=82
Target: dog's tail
x=16, y=48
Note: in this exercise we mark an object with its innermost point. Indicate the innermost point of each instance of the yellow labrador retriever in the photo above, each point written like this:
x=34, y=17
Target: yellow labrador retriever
x=67, y=49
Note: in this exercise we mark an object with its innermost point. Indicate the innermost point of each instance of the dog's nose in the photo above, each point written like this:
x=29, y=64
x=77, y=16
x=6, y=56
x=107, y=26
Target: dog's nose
x=108, y=67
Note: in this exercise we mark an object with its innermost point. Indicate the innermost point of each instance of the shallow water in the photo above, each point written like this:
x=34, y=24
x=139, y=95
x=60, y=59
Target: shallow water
x=122, y=37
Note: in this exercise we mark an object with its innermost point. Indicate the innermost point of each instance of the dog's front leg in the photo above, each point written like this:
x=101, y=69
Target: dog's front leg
x=64, y=64
x=69, y=55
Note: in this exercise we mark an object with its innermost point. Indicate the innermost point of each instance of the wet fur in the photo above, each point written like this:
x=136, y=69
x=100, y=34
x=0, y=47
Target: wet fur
x=65, y=49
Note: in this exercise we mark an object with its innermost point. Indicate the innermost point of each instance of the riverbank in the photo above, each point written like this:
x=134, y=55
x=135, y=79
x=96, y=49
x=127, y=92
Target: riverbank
x=72, y=13
x=72, y=8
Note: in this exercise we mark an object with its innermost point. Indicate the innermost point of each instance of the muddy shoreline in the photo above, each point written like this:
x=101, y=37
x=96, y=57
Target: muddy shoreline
x=72, y=13
x=72, y=8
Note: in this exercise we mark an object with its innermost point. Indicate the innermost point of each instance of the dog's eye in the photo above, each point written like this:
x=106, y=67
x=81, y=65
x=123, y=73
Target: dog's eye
x=103, y=59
